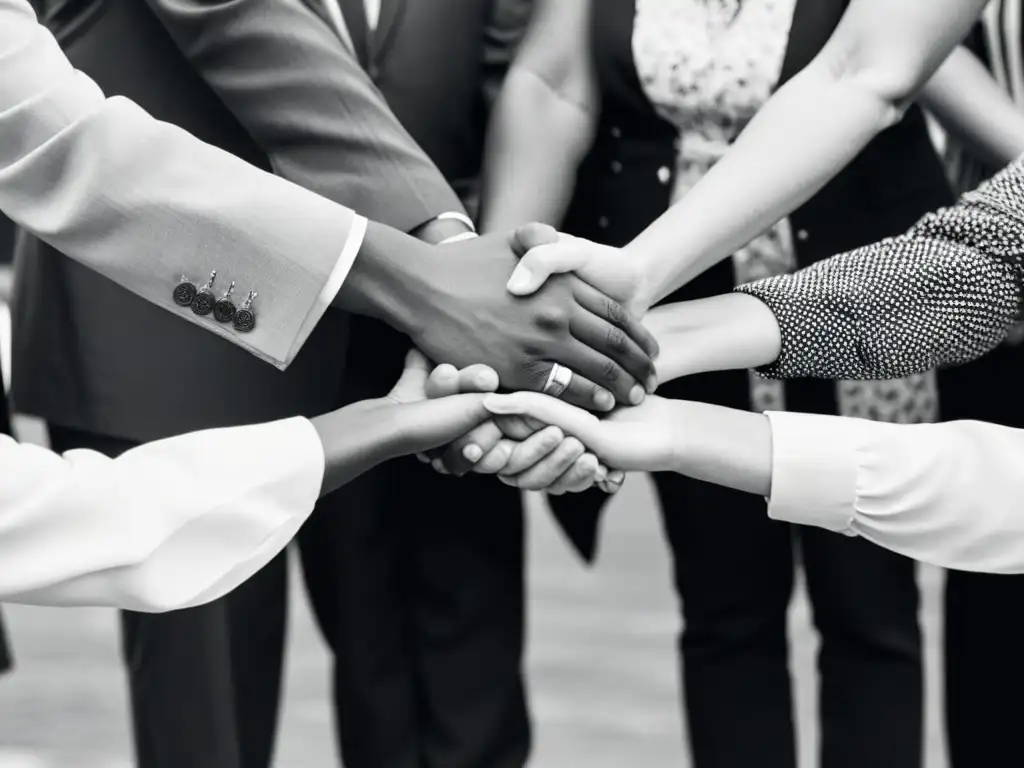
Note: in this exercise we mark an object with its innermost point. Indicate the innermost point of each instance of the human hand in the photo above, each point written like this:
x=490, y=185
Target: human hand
x=521, y=452
x=466, y=316
x=638, y=438
x=601, y=266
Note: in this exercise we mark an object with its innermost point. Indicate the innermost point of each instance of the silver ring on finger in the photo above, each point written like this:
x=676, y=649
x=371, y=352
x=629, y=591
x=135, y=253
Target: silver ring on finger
x=558, y=380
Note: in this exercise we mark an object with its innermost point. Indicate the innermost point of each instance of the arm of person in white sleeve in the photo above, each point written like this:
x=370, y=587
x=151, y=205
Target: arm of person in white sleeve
x=947, y=494
x=182, y=521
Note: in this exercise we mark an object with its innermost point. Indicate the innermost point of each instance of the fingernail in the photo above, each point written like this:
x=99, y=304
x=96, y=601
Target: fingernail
x=472, y=453
x=652, y=384
x=636, y=395
x=520, y=280
x=439, y=467
x=601, y=474
x=604, y=400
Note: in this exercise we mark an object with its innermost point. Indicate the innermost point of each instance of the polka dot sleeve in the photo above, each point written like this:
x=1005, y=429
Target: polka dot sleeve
x=944, y=293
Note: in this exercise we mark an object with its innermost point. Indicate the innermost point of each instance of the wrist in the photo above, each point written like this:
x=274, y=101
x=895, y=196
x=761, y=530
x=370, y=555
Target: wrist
x=386, y=278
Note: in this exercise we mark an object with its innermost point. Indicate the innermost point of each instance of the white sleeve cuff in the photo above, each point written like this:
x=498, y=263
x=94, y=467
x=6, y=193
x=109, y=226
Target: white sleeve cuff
x=457, y=216
x=814, y=470
x=346, y=259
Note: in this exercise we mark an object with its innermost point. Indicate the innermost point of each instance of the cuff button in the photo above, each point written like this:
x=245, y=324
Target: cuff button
x=184, y=292
x=245, y=317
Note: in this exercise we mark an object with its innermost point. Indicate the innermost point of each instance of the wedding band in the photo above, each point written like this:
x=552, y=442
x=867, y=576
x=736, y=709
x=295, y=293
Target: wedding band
x=558, y=380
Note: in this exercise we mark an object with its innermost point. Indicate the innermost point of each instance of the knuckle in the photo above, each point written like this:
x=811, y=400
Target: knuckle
x=552, y=317
x=610, y=371
x=615, y=312
x=617, y=340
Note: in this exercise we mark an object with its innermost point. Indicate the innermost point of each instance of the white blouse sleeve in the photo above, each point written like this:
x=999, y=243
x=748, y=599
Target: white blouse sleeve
x=170, y=524
x=949, y=494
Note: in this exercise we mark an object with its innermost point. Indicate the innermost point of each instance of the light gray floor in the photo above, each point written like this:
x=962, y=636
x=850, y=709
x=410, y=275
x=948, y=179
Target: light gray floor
x=601, y=663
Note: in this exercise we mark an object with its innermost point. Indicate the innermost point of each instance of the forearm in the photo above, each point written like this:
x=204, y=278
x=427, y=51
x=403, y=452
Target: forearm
x=727, y=332
x=724, y=446
x=859, y=84
x=535, y=143
x=810, y=129
x=355, y=440
x=972, y=108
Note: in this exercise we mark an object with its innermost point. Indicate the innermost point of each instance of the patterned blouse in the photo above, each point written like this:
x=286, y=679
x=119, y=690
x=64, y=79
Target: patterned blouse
x=946, y=292
x=708, y=66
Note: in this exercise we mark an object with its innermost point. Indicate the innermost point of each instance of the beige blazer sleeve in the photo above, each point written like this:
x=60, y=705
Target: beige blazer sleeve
x=142, y=202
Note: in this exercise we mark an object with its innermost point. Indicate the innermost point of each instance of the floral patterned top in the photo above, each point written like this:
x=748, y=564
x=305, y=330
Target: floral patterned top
x=946, y=292
x=708, y=66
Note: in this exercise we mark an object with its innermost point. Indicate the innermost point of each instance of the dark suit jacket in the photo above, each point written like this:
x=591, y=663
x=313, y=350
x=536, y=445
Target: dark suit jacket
x=438, y=63
x=268, y=81
x=888, y=186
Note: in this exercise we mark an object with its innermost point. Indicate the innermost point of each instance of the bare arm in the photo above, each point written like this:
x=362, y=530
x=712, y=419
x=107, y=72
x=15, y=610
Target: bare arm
x=972, y=108
x=872, y=67
x=543, y=121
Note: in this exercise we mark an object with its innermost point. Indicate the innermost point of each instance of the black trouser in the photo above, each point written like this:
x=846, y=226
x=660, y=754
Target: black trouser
x=984, y=631
x=202, y=696
x=733, y=569
x=417, y=583
x=5, y=428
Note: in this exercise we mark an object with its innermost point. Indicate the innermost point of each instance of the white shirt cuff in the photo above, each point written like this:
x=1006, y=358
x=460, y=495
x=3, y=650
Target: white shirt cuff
x=346, y=259
x=457, y=216
x=814, y=469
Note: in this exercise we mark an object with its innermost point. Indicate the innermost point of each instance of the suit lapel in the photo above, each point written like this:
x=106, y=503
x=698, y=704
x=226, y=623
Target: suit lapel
x=814, y=21
x=390, y=15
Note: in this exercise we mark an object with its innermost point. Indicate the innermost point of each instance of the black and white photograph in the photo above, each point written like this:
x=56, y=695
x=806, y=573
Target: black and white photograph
x=511, y=383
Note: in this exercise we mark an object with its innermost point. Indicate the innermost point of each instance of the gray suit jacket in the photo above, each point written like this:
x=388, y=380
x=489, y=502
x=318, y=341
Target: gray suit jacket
x=270, y=82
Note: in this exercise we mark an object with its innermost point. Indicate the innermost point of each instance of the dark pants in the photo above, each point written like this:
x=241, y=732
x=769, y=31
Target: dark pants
x=734, y=568
x=417, y=584
x=984, y=631
x=6, y=660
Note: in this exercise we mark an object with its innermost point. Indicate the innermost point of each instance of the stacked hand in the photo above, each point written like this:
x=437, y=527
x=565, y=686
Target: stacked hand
x=465, y=315
x=521, y=451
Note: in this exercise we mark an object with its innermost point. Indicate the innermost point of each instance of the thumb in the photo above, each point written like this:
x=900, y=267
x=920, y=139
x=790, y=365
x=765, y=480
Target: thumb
x=543, y=261
x=530, y=236
x=411, y=385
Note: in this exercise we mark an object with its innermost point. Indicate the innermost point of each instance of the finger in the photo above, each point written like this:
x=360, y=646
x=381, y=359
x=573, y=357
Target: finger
x=532, y=450
x=461, y=454
x=495, y=460
x=581, y=391
x=613, y=342
x=411, y=385
x=530, y=236
x=601, y=371
x=518, y=427
x=442, y=382
x=478, y=378
x=547, y=471
x=545, y=260
x=432, y=423
x=572, y=421
x=614, y=481
x=580, y=476
x=614, y=313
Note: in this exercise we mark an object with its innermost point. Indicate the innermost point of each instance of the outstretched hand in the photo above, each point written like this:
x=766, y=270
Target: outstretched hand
x=601, y=266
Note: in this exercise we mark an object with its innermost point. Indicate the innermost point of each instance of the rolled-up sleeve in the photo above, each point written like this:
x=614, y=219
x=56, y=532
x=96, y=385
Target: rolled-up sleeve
x=949, y=494
x=168, y=525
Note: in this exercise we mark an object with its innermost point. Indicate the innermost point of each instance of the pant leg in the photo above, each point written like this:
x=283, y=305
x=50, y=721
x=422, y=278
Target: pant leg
x=865, y=601
x=179, y=670
x=984, y=668
x=355, y=562
x=467, y=599
x=733, y=571
x=257, y=619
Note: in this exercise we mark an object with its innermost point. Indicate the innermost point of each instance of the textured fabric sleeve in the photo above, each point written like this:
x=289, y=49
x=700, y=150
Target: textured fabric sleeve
x=944, y=293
